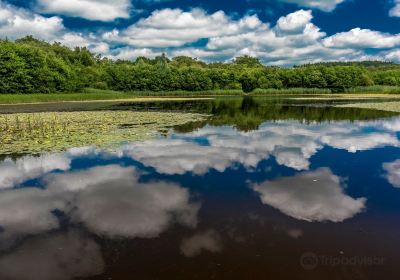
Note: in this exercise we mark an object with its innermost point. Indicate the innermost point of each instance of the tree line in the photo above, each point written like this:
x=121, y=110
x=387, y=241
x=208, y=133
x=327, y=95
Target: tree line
x=29, y=65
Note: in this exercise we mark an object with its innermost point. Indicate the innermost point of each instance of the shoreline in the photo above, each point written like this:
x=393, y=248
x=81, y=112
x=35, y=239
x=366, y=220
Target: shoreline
x=74, y=98
x=136, y=99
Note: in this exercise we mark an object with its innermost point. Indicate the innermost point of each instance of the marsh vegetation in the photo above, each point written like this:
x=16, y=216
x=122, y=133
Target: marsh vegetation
x=393, y=106
x=40, y=132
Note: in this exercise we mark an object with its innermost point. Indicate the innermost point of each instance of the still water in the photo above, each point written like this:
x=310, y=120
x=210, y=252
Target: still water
x=254, y=192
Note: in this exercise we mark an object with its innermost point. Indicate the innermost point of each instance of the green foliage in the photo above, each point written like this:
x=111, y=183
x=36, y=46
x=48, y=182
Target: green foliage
x=249, y=82
x=32, y=66
x=29, y=65
x=247, y=61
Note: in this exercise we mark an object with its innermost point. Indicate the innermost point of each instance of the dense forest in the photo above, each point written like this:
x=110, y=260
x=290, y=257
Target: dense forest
x=29, y=65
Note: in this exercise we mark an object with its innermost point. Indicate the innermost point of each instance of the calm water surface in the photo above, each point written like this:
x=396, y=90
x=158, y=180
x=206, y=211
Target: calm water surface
x=255, y=192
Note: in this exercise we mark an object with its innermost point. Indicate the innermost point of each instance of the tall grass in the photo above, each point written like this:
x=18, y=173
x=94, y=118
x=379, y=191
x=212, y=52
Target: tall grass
x=369, y=89
x=90, y=94
x=169, y=93
x=96, y=94
x=292, y=91
x=58, y=97
x=375, y=89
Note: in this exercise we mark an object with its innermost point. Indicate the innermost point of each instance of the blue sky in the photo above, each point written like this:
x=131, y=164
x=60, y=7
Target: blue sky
x=279, y=32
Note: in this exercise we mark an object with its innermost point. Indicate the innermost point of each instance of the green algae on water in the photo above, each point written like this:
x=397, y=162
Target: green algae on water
x=58, y=131
x=382, y=106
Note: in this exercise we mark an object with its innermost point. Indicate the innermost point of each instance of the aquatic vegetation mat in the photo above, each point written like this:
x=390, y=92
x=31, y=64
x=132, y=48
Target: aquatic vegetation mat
x=57, y=131
x=383, y=106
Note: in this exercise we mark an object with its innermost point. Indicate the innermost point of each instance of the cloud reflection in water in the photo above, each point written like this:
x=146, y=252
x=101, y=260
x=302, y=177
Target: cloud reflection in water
x=108, y=200
x=205, y=241
x=310, y=196
x=60, y=256
x=292, y=145
x=393, y=172
x=112, y=201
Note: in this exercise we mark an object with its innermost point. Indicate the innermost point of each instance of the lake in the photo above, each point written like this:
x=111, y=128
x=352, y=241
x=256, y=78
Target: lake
x=261, y=188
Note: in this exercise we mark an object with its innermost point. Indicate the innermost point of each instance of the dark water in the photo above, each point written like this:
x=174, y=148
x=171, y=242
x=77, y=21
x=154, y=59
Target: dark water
x=258, y=191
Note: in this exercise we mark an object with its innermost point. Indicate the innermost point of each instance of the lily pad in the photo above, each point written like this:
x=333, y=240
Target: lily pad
x=57, y=131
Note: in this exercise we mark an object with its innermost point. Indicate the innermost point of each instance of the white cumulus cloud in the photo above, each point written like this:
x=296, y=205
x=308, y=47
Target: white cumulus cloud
x=17, y=22
x=103, y=10
x=395, y=11
x=324, y=5
x=362, y=38
x=294, y=22
x=175, y=28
